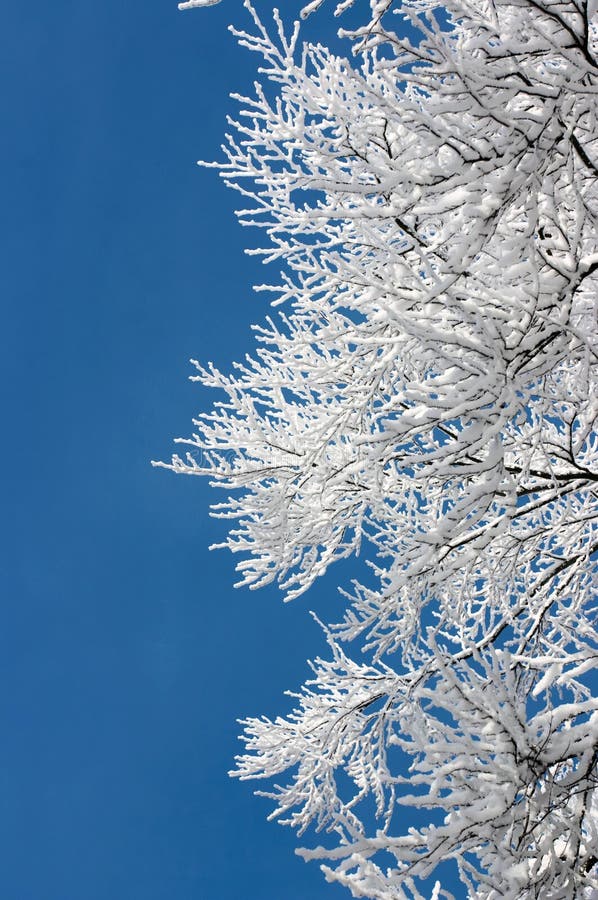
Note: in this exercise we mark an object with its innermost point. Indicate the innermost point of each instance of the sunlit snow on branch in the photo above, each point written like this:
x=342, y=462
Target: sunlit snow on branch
x=196, y=4
x=427, y=397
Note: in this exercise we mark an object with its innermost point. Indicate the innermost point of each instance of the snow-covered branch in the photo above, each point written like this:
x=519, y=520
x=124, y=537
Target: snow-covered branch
x=426, y=396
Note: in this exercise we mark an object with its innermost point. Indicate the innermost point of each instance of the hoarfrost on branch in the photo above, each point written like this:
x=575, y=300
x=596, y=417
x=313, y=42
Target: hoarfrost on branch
x=426, y=395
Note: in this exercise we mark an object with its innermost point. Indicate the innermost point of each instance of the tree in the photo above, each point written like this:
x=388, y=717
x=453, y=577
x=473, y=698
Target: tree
x=426, y=396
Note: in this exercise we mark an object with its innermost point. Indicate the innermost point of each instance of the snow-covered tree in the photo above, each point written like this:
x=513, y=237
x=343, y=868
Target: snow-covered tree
x=426, y=395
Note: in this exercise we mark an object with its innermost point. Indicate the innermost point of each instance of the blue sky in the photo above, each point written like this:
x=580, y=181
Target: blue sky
x=126, y=655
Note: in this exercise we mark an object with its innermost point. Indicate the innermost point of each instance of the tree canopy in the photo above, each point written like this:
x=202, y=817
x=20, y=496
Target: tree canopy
x=425, y=396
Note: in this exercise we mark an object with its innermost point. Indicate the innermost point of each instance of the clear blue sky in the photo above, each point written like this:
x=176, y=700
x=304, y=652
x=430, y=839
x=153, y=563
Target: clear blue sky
x=126, y=655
